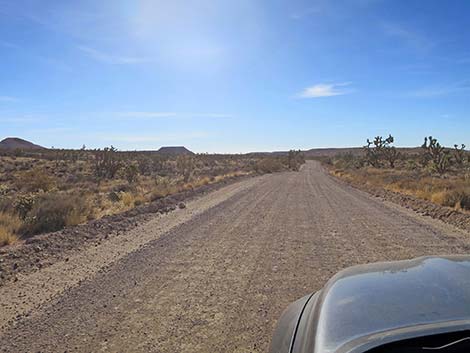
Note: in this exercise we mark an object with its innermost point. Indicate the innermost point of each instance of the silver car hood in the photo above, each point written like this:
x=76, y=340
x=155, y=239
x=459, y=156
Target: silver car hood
x=365, y=306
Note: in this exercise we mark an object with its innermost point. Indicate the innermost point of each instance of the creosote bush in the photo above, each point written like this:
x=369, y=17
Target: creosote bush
x=52, y=212
x=457, y=198
x=35, y=180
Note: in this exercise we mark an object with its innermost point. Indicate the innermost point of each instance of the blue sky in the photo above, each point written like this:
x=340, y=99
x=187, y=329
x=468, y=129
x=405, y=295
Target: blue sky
x=234, y=76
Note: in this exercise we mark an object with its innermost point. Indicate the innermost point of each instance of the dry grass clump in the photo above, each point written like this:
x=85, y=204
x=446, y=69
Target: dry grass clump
x=452, y=191
x=10, y=224
x=7, y=238
x=130, y=200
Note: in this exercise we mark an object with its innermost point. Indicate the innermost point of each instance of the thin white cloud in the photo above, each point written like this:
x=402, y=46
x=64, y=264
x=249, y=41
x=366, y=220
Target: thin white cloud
x=410, y=37
x=157, y=115
x=8, y=99
x=17, y=120
x=442, y=90
x=208, y=115
x=8, y=45
x=325, y=90
x=57, y=64
x=50, y=131
x=128, y=138
x=112, y=59
x=303, y=13
x=463, y=60
x=146, y=115
x=431, y=92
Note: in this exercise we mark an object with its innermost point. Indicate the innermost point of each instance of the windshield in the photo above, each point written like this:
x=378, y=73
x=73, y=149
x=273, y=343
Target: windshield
x=446, y=343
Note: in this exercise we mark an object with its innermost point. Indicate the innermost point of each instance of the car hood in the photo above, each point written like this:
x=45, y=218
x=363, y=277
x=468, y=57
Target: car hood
x=367, y=304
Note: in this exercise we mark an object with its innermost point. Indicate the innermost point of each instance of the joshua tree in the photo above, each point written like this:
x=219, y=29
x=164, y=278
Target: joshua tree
x=459, y=154
x=372, y=150
x=106, y=163
x=391, y=155
x=381, y=149
x=295, y=159
x=185, y=165
x=131, y=172
x=436, y=154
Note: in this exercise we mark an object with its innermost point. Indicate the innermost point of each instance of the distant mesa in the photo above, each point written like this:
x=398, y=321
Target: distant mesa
x=13, y=143
x=174, y=150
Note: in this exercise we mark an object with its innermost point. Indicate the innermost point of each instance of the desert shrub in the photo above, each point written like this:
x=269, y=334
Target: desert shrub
x=3, y=190
x=131, y=173
x=410, y=164
x=24, y=203
x=114, y=196
x=144, y=166
x=52, y=212
x=465, y=201
x=163, y=186
x=346, y=161
x=35, y=180
x=457, y=198
x=139, y=201
x=162, y=182
x=269, y=165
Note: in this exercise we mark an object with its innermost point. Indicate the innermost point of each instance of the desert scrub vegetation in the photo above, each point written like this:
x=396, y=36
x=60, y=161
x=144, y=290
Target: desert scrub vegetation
x=432, y=172
x=279, y=162
x=47, y=190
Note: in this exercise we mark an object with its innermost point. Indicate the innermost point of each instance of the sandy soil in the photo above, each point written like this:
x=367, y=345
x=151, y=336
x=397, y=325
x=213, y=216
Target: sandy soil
x=215, y=276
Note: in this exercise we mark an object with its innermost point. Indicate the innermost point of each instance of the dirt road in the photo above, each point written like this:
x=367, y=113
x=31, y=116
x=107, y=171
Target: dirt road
x=216, y=276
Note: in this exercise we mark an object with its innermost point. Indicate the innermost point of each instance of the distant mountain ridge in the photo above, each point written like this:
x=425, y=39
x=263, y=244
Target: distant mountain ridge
x=356, y=151
x=333, y=152
x=13, y=143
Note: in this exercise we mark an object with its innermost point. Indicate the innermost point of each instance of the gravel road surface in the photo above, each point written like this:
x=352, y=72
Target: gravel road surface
x=215, y=276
